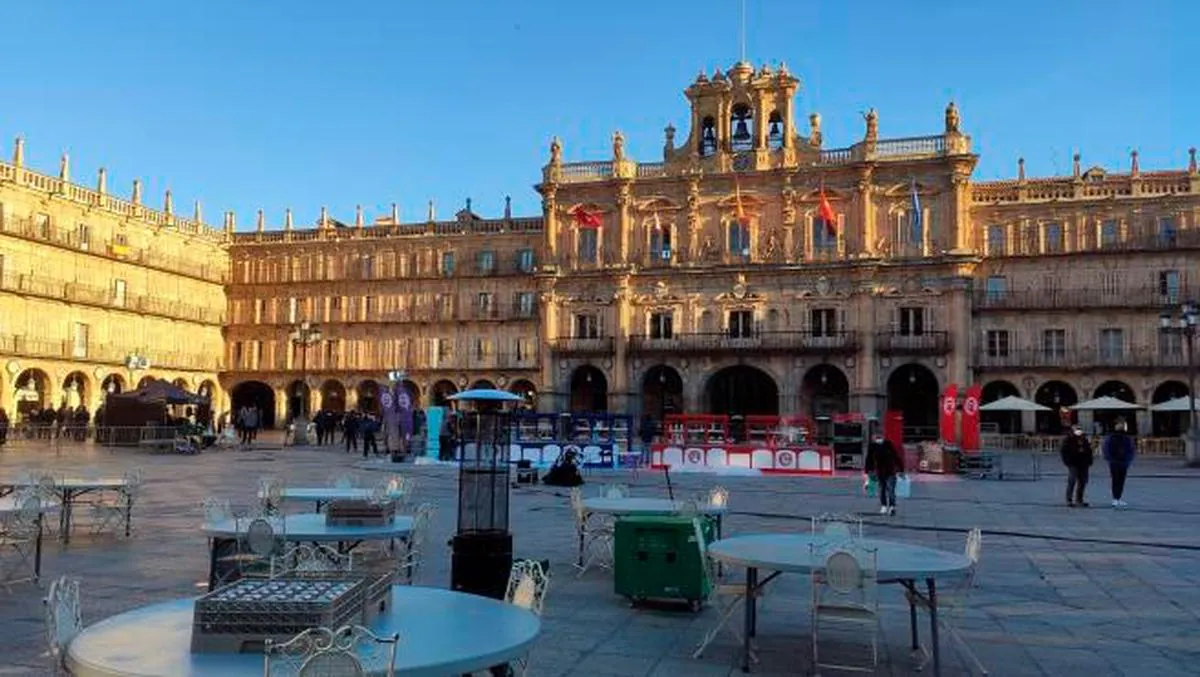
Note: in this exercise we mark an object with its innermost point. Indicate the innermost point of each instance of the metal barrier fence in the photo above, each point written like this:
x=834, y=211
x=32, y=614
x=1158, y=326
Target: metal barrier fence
x=65, y=437
x=1050, y=444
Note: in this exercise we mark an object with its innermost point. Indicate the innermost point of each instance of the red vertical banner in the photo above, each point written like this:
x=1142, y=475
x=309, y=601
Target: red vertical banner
x=947, y=430
x=970, y=418
x=893, y=428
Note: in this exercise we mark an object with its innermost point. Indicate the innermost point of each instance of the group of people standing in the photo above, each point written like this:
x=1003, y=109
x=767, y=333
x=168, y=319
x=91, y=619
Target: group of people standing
x=1117, y=448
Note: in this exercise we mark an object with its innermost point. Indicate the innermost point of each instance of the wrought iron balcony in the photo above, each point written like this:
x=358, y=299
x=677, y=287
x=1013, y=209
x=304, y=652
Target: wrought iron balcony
x=1133, y=357
x=925, y=343
x=603, y=345
x=1077, y=299
x=794, y=342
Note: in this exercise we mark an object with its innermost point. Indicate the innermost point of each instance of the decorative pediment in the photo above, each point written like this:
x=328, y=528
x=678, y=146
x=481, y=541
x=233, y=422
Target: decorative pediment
x=739, y=291
x=749, y=202
x=1096, y=173
x=588, y=299
x=823, y=287
x=658, y=294
x=658, y=203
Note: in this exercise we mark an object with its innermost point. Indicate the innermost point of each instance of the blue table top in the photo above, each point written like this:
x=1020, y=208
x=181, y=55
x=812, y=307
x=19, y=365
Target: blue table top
x=442, y=633
x=792, y=553
x=643, y=506
x=9, y=505
x=311, y=528
x=328, y=494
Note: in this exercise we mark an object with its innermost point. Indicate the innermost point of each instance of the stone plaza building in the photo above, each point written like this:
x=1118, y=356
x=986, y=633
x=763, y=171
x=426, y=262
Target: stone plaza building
x=751, y=270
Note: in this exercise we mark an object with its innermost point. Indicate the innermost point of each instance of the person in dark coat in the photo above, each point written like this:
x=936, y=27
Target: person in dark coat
x=1077, y=455
x=1119, y=450
x=350, y=430
x=885, y=462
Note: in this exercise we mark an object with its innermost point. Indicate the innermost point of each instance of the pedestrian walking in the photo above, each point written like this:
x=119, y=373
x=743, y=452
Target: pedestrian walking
x=1077, y=456
x=1119, y=449
x=885, y=462
x=350, y=430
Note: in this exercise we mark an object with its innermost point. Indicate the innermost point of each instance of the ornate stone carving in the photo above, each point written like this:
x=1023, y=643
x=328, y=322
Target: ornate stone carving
x=771, y=248
x=708, y=250
x=618, y=146
x=660, y=290
x=824, y=287
x=952, y=119
x=789, y=205
x=739, y=286
x=624, y=195
x=555, y=152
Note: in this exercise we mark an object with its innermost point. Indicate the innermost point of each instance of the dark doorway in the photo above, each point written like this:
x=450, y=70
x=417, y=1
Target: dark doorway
x=299, y=400
x=368, y=397
x=1060, y=397
x=825, y=390
x=333, y=396
x=913, y=390
x=254, y=394
x=440, y=391
x=589, y=390
x=662, y=392
x=743, y=390
x=1109, y=419
x=1169, y=423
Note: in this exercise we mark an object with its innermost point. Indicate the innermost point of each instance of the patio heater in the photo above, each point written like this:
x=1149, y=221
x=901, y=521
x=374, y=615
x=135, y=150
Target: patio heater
x=481, y=551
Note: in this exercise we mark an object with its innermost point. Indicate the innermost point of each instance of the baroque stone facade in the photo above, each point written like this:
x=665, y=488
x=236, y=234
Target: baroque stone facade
x=752, y=269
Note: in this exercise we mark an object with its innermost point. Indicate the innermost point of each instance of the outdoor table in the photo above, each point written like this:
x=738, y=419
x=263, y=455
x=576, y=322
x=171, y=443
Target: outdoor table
x=71, y=488
x=8, y=506
x=303, y=528
x=323, y=495
x=793, y=553
x=627, y=506
x=155, y=640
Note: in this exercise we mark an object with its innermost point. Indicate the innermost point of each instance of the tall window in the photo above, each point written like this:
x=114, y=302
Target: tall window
x=662, y=325
x=741, y=324
x=823, y=322
x=739, y=239
x=1110, y=234
x=368, y=308
x=118, y=293
x=1168, y=286
x=368, y=267
x=524, y=303
x=912, y=321
x=1053, y=238
x=236, y=355
x=824, y=241
x=293, y=310
x=486, y=262
x=997, y=342
x=447, y=264
x=526, y=349
x=1112, y=344
x=525, y=260
x=1054, y=344
x=1168, y=232
x=79, y=340
x=484, y=348
x=587, y=326
x=1170, y=345
x=996, y=287
x=660, y=243
x=589, y=245
x=84, y=235
x=485, y=304
x=445, y=350
x=997, y=240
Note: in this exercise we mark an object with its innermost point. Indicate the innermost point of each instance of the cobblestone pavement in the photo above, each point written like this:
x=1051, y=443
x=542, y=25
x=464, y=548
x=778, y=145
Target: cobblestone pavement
x=1062, y=592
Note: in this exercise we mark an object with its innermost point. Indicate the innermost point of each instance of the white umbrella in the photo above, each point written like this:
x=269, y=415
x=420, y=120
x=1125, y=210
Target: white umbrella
x=1013, y=403
x=1105, y=403
x=1177, y=404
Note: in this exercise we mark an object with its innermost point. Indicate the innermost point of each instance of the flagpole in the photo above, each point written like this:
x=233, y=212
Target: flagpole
x=742, y=36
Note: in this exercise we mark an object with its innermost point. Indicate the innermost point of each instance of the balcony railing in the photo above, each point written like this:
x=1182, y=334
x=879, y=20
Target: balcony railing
x=926, y=343
x=603, y=345
x=102, y=353
x=77, y=292
x=458, y=361
x=763, y=341
x=1077, y=299
x=1134, y=357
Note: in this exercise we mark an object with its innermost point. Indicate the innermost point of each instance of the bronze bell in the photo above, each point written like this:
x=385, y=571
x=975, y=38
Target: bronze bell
x=776, y=129
x=742, y=132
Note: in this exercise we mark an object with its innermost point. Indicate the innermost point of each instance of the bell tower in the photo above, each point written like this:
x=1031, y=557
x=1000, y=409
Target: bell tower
x=742, y=119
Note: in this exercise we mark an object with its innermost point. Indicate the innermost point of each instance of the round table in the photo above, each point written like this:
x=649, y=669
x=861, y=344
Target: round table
x=71, y=488
x=323, y=495
x=9, y=506
x=442, y=633
x=644, y=506
x=794, y=553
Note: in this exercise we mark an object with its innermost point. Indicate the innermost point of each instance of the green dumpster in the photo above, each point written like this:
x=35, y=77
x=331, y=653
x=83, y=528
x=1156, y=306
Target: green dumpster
x=658, y=558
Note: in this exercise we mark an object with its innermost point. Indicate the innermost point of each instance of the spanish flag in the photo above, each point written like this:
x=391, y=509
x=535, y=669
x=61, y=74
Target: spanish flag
x=740, y=213
x=584, y=218
x=825, y=213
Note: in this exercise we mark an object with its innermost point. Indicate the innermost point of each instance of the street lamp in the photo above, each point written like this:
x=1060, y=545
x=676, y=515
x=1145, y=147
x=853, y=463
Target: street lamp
x=135, y=362
x=303, y=335
x=1184, y=324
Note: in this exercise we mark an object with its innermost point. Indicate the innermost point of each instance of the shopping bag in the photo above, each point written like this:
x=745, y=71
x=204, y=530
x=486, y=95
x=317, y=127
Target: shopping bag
x=871, y=486
x=903, y=487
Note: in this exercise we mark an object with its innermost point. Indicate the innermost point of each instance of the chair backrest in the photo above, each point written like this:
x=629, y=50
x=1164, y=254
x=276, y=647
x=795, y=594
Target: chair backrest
x=310, y=559
x=718, y=497
x=837, y=526
x=974, y=545
x=615, y=491
x=420, y=529
x=577, y=508
x=527, y=583
x=848, y=577
x=260, y=537
x=63, y=619
x=349, y=651
x=270, y=493
x=216, y=510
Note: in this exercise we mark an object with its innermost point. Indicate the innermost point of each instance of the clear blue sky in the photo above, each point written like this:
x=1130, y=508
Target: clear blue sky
x=273, y=104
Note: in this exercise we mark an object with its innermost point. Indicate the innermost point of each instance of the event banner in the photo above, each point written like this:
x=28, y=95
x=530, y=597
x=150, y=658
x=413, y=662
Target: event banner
x=970, y=418
x=946, y=423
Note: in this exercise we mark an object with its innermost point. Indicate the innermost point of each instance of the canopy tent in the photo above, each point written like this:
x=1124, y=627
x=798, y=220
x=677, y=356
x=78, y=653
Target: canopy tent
x=1013, y=403
x=159, y=390
x=1106, y=403
x=1179, y=404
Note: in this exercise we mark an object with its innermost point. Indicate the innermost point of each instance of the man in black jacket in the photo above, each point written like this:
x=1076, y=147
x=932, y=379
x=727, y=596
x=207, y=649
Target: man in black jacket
x=1076, y=454
x=885, y=462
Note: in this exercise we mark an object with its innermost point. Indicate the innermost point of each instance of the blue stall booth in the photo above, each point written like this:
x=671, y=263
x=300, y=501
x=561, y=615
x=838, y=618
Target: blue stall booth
x=598, y=438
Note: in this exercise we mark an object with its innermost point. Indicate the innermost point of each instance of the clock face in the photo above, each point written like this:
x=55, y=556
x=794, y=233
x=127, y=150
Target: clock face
x=742, y=161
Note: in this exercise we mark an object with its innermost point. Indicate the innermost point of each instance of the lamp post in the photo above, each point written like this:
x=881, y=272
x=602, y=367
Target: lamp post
x=1183, y=323
x=303, y=335
x=135, y=362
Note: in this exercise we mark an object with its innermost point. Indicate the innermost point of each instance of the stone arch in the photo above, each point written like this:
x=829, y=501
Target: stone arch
x=589, y=389
x=483, y=384
x=299, y=400
x=414, y=392
x=368, y=396
x=146, y=380
x=1059, y=396
x=913, y=390
x=31, y=391
x=333, y=396
x=182, y=383
x=1122, y=391
x=741, y=389
x=527, y=390
x=208, y=389
x=1004, y=422
x=77, y=389
x=662, y=391
x=1168, y=423
x=254, y=394
x=112, y=385
x=440, y=391
x=825, y=390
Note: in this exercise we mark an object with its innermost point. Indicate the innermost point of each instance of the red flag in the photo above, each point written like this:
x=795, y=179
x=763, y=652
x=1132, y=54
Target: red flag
x=946, y=420
x=970, y=418
x=584, y=218
x=740, y=216
x=825, y=213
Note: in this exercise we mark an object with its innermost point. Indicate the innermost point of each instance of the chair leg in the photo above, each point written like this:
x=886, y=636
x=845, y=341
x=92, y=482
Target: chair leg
x=966, y=648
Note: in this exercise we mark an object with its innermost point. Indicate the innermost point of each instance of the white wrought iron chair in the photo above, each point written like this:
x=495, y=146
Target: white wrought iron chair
x=837, y=525
x=270, y=496
x=63, y=620
x=109, y=514
x=18, y=540
x=349, y=651
x=310, y=559
x=408, y=562
x=527, y=584
x=952, y=603
x=398, y=488
x=688, y=508
x=730, y=597
x=845, y=592
x=257, y=548
x=595, y=535
x=44, y=485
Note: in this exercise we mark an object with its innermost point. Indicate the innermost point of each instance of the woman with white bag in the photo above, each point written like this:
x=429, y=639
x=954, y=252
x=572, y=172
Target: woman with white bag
x=884, y=463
